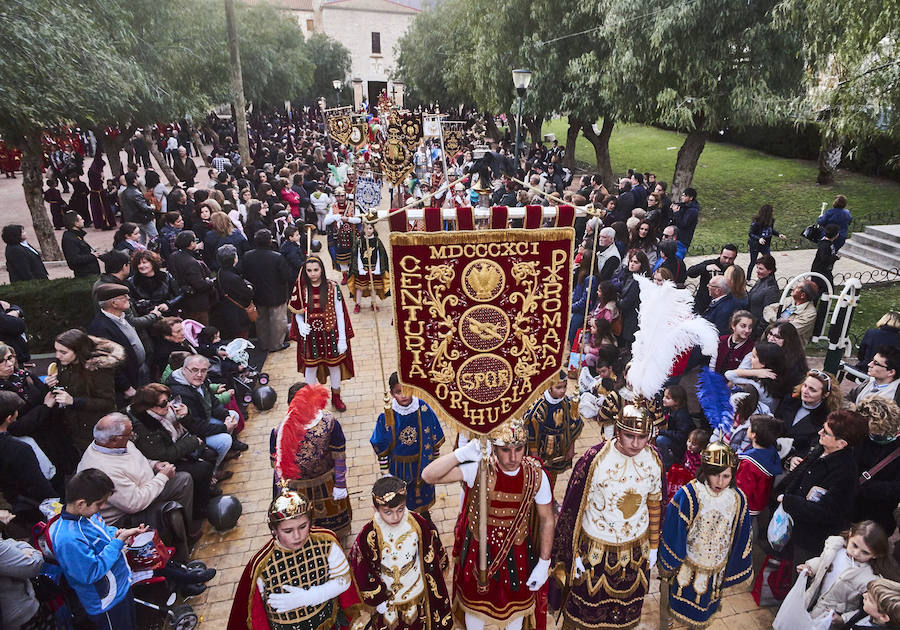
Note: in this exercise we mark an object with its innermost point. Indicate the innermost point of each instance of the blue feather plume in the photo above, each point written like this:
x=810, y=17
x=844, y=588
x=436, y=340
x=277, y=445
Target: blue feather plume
x=715, y=399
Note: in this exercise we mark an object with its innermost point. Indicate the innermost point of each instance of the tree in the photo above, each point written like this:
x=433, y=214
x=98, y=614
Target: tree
x=332, y=61
x=852, y=71
x=701, y=66
x=48, y=75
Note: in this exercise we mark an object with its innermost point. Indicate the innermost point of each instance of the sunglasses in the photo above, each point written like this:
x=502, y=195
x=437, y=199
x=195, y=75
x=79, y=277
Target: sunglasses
x=822, y=377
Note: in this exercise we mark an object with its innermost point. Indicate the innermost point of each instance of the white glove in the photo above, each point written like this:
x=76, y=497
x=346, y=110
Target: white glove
x=292, y=597
x=579, y=568
x=539, y=575
x=471, y=452
x=651, y=559
x=382, y=607
x=342, y=346
x=303, y=328
x=338, y=493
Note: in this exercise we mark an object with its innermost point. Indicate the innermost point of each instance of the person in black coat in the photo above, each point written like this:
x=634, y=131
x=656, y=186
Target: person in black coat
x=110, y=324
x=23, y=262
x=722, y=306
x=193, y=276
x=272, y=279
x=826, y=256
x=885, y=333
x=764, y=292
x=149, y=283
x=78, y=253
x=803, y=412
x=235, y=295
x=624, y=202
x=21, y=480
x=706, y=270
x=878, y=494
x=293, y=249
x=819, y=492
x=672, y=441
x=12, y=330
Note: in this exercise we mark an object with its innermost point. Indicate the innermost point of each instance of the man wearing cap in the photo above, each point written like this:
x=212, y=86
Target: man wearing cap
x=398, y=562
x=608, y=529
x=799, y=310
x=299, y=579
x=517, y=487
x=110, y=323
x=706, y=539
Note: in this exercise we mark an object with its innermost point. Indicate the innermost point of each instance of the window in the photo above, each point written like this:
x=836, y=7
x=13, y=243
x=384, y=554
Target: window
x=310, y=26
x=376, y=43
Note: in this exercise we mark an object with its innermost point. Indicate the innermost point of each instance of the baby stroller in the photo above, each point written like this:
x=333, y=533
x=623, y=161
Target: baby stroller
x=146, y=556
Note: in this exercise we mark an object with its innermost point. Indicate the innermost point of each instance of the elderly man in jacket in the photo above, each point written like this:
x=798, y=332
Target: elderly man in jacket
x=800, y=309
x=143, y=487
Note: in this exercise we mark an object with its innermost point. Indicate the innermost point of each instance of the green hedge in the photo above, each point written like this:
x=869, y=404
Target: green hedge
x=50, y=307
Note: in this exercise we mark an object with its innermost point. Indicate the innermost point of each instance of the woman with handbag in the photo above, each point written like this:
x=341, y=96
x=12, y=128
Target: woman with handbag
x=815, y=494
x=235, y=311
x=878, y=460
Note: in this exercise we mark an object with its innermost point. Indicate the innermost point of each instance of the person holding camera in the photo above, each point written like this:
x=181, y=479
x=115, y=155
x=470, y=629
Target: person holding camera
x=150, y=285
x=136, y=208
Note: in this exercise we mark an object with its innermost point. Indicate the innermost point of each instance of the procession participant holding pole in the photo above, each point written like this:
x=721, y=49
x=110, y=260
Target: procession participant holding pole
x=706, y=539
x=513, y=486
x=398, y=561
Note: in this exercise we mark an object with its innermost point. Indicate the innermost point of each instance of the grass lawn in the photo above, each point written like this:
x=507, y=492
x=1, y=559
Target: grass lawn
x=732, y=182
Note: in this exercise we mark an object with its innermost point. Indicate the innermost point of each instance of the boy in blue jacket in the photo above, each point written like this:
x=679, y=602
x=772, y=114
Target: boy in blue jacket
x=92, y=554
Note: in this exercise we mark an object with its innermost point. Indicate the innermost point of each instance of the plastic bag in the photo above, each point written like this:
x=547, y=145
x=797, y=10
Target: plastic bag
x=779, y=532
x=792, y=615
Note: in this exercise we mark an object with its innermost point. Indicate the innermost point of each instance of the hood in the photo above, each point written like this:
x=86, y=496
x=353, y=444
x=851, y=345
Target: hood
x=178, y=377
x=766, y=459
x=107, y=354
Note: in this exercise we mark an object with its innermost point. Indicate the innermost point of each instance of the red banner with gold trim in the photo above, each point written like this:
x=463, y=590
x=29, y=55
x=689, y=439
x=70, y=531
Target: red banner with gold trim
x=481, y=318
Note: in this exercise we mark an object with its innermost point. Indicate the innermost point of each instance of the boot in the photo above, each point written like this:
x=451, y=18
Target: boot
x=344, y=278
x=336, y=400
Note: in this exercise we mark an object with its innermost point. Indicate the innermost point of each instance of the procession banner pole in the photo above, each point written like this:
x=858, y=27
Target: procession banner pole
x=588, y=301
x=387, y=394
x=664, y=621
x=444, y=162
x=482, y=513
x=549, y=196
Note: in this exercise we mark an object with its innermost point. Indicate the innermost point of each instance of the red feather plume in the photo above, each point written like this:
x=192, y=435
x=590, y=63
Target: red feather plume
x=309, y=401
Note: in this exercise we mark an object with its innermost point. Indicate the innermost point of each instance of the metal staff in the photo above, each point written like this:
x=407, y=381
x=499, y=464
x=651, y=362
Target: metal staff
x=664, y=620
x=482, y=513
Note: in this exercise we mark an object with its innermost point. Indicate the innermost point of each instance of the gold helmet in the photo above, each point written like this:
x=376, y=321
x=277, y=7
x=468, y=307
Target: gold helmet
x=287, y=505
x=720, y=455
x=512, y=432
x=637, y=417
x=389, y=491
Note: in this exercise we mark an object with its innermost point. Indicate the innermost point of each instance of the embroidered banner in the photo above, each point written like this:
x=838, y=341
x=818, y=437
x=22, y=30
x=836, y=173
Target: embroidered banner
x=481, y=318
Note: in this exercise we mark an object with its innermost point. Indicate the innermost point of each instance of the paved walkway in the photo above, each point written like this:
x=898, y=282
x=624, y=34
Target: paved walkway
x=252, y=482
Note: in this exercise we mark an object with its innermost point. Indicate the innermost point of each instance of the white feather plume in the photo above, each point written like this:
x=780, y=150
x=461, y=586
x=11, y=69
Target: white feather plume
x=667, y=327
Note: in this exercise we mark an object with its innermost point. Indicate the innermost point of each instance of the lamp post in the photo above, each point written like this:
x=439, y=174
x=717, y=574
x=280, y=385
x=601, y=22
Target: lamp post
x=521, y=79
x=336, y=84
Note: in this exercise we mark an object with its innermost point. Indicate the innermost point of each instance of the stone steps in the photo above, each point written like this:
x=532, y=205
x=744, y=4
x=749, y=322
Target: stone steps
x=877, y=245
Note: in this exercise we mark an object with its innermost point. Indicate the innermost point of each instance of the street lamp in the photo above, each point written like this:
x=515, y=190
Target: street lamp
x=521, y=79
x=336, y=84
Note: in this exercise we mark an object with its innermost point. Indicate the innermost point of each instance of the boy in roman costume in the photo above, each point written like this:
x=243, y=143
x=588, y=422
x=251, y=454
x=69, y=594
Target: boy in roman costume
x=299, y=580
x=407, y=437
x=343, y=229
x=706, y=540
x=553, y=426
x=398, y=562
x=517, y=488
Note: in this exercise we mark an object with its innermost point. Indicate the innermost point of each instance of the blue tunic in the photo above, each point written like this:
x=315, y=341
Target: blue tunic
x=405, y=444
x=685, y=602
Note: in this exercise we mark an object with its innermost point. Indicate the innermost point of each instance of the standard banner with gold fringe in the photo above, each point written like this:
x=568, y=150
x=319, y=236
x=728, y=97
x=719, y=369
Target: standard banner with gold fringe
x=482, y=318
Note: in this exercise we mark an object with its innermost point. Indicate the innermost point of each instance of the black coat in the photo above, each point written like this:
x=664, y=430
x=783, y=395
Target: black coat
x=805, y=432
x=79, y=255
x=21, y=481
x=200, y=408
x=679, y=428
x=156, y=289
x=128, y=373
x=629, y=302
x=763, y=293
x=134, y=206
x=814, y=521
x=23, y=264
x=294, y=255
x=193, y=275
x=270, y=274
x=155, y=442
x=878, y=496
x=232, y=318
x=625, y=203
x=11, y=329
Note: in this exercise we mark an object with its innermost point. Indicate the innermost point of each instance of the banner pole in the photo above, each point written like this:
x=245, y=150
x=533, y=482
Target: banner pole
x=444, y=162
x=387, y=394
x=588, y=302
x=482, y=513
